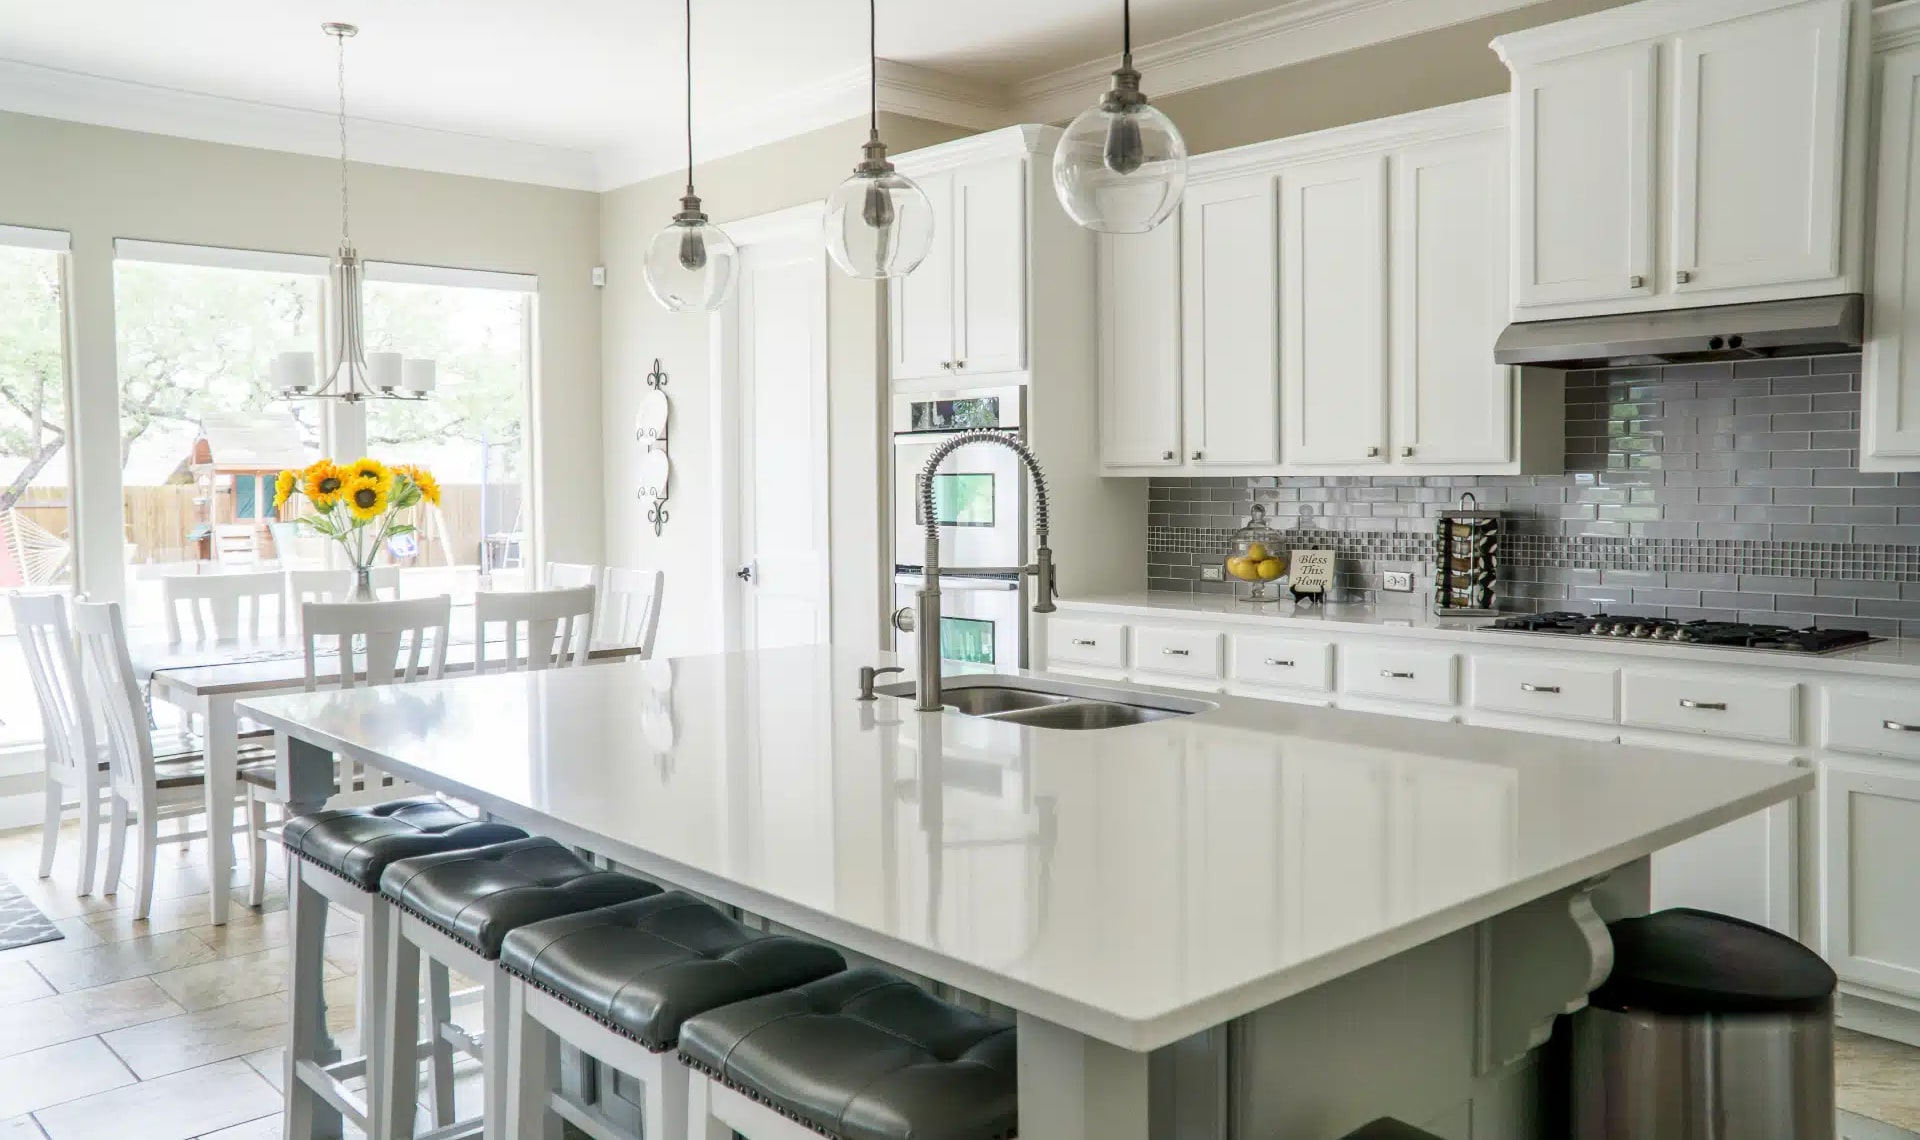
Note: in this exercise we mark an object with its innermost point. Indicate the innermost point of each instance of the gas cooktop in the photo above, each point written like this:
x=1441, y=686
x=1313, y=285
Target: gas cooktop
x=1725, y=634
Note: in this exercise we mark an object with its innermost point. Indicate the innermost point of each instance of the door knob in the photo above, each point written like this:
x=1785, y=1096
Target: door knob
x=745, y=573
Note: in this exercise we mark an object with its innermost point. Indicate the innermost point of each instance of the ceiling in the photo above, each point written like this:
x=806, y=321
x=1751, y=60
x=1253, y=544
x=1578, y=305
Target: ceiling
x=584, y=77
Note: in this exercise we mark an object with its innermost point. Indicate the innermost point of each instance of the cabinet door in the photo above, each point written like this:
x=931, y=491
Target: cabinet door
x=1758, y=109
x=922, y=301
x=1583, y=163
x=1890, y=372
x=1333, y=311
x=990, y=279
x=1139, y=295
x=1872, y=841
x=1228, y=314
x=1451, y=403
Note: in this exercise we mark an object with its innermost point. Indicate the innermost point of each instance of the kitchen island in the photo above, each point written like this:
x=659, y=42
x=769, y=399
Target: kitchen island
x=1287, y=918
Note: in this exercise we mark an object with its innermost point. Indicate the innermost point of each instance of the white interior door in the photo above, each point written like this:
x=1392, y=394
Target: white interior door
x=780, y=389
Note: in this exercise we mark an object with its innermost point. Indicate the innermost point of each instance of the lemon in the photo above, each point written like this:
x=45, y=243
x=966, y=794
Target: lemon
x=1269, y=569
x=1256, y=552
x=1240, y=568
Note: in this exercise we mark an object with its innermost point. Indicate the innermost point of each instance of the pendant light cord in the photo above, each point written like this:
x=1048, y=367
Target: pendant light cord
x=1126, y=33
x=689, y=98
x=346, y=229
x=873, y=67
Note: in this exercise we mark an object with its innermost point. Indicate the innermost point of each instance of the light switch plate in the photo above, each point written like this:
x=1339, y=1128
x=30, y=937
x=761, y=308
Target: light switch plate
x=1212, y=574
x=1398, y=581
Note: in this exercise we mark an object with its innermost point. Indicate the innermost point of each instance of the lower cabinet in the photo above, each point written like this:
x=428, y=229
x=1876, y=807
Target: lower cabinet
x=1871, y=836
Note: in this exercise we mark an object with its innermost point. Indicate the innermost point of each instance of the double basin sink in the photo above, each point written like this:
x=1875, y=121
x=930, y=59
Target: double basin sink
x=1039, y=703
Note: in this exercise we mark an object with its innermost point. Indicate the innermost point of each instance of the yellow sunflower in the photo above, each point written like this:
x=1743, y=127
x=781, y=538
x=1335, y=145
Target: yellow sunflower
x=323, y=483
x=367, y=468
x=283, y=488
x=366, y=498
x=423, y=479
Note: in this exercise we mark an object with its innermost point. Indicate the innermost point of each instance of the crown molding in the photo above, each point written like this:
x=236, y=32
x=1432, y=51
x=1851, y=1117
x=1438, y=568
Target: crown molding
x=1024, y=140
x=1618, y=27
x=923, y=93
x=1487, y=115
x=1293, y=32
x=53, y=93
x=1896, y=26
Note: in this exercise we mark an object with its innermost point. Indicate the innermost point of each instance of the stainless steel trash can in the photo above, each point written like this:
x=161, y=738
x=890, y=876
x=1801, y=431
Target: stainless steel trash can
x=1708, y=1028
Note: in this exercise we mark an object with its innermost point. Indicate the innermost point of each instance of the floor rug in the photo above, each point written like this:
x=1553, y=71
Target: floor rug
x=21, y=923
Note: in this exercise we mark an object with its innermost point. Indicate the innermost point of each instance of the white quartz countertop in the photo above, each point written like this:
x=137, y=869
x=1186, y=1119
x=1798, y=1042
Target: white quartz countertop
x=1894, y=658
x=1137, y=884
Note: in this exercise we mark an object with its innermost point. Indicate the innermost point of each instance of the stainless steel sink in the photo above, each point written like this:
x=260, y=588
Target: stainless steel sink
x=987, y=700
x=1047, y=703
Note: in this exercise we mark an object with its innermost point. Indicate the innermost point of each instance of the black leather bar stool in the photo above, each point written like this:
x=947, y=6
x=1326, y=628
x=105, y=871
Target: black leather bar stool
x=338, y=857
x=456, y=908
x=617, y=983
x=861, y=1055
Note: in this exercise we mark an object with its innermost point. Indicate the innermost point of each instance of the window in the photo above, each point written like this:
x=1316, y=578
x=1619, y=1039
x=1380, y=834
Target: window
x=200, y=428
x=471, y=433
x=36, y=544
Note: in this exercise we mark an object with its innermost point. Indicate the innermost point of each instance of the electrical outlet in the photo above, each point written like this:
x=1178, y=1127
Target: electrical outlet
x=1398, y=581
x=1212, y=574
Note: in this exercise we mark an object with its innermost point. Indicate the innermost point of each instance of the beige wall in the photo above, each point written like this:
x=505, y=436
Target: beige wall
x=1432, y=69
x=636, y=331
x=99, y=184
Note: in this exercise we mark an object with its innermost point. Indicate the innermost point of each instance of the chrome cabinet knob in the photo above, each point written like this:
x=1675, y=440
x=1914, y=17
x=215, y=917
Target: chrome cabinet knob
x=1684, y=277
x=959, y=364
x=1167, y=455
x=1636, y=282
x=1406, y=452
x=1196, y=455
x=1373, y=452
x=745, y=573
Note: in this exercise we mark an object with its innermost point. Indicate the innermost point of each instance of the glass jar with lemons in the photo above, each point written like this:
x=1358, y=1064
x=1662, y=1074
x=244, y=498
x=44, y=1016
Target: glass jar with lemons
x=1257, y=557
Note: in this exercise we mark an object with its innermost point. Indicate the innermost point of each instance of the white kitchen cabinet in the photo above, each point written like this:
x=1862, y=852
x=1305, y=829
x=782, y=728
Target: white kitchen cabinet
x=1871, y=834
x=1333, y=311
x=1228, y=282
x=1759, y=138
x=963, y=312
x=1583, y=165
x=1451, y=403
x=1676, y=153
x=1890, y=368
x=1139, y=297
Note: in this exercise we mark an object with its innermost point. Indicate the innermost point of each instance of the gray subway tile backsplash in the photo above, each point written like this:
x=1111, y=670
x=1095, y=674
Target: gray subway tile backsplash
x=1710, y=490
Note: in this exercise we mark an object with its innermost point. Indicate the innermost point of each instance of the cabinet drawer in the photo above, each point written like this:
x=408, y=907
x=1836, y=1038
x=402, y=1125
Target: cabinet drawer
x=1087, y=642
x=1183, y=652
x=1713, y=706
x=1421, y=675
x=1536, y=686
x=1874, y=721
x=1282, y=662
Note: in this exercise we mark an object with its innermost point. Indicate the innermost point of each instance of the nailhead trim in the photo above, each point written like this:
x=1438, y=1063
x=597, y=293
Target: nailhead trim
x=760, y=1098
x=599, y=1018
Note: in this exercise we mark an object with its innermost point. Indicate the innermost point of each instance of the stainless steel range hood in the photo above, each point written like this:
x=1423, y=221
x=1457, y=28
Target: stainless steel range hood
x=1805, y=327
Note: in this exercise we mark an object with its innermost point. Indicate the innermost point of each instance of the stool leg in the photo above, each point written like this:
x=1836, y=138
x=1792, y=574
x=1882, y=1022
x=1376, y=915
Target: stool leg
x=705, y=1125
x=307, y=1116
x=496, y=1049
x=440, y=1070
x=393, y=1064
x=533, y=1066
x=663, y=1100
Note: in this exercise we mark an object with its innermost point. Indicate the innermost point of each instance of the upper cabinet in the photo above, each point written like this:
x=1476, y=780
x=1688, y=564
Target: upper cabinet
x=1326, y=304
x=1890, y=368
x=1676, y=153
x=963, y=312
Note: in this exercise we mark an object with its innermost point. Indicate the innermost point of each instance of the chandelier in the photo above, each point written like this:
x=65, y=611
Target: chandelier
x=355, y=374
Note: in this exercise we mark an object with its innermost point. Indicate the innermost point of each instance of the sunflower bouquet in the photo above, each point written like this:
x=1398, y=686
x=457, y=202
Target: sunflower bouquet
x=358, y=504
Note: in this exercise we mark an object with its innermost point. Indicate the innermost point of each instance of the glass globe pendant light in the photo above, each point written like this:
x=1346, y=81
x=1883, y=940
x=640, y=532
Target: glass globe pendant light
x=1121, y=167
x=878, y=223
x=691, y=264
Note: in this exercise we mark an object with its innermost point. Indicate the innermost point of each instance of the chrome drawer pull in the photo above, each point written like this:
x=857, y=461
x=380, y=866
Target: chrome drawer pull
x=1176, y=653
x=1705, y=706
x=1278, y=664
x=1530, y=688
x=1084, y=641
x=1394, y=675
x=1896, y=726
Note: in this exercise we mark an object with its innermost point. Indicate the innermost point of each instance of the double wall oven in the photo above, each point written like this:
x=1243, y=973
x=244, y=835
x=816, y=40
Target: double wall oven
x=980, y=503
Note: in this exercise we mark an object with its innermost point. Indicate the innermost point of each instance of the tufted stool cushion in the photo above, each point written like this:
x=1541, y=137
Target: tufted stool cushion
x=643, y=967
x=864, y=1055
x=357, y=844
x=476, y=896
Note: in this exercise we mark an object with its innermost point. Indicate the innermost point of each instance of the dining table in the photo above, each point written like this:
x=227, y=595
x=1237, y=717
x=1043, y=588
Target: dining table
x=206, y=678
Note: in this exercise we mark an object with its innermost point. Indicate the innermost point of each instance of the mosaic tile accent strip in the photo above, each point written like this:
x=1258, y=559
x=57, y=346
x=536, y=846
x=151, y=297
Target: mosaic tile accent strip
x=1706, y=490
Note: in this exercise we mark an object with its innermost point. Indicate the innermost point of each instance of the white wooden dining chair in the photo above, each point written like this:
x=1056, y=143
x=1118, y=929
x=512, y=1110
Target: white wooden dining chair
x=557, y=624
x=568, y=575
x=224, y=606
x=630, y=608
x=71, y=753
x=305, y=586
x=144, y=791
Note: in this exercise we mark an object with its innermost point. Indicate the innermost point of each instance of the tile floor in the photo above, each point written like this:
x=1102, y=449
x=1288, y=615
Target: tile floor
x=177, y=1024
